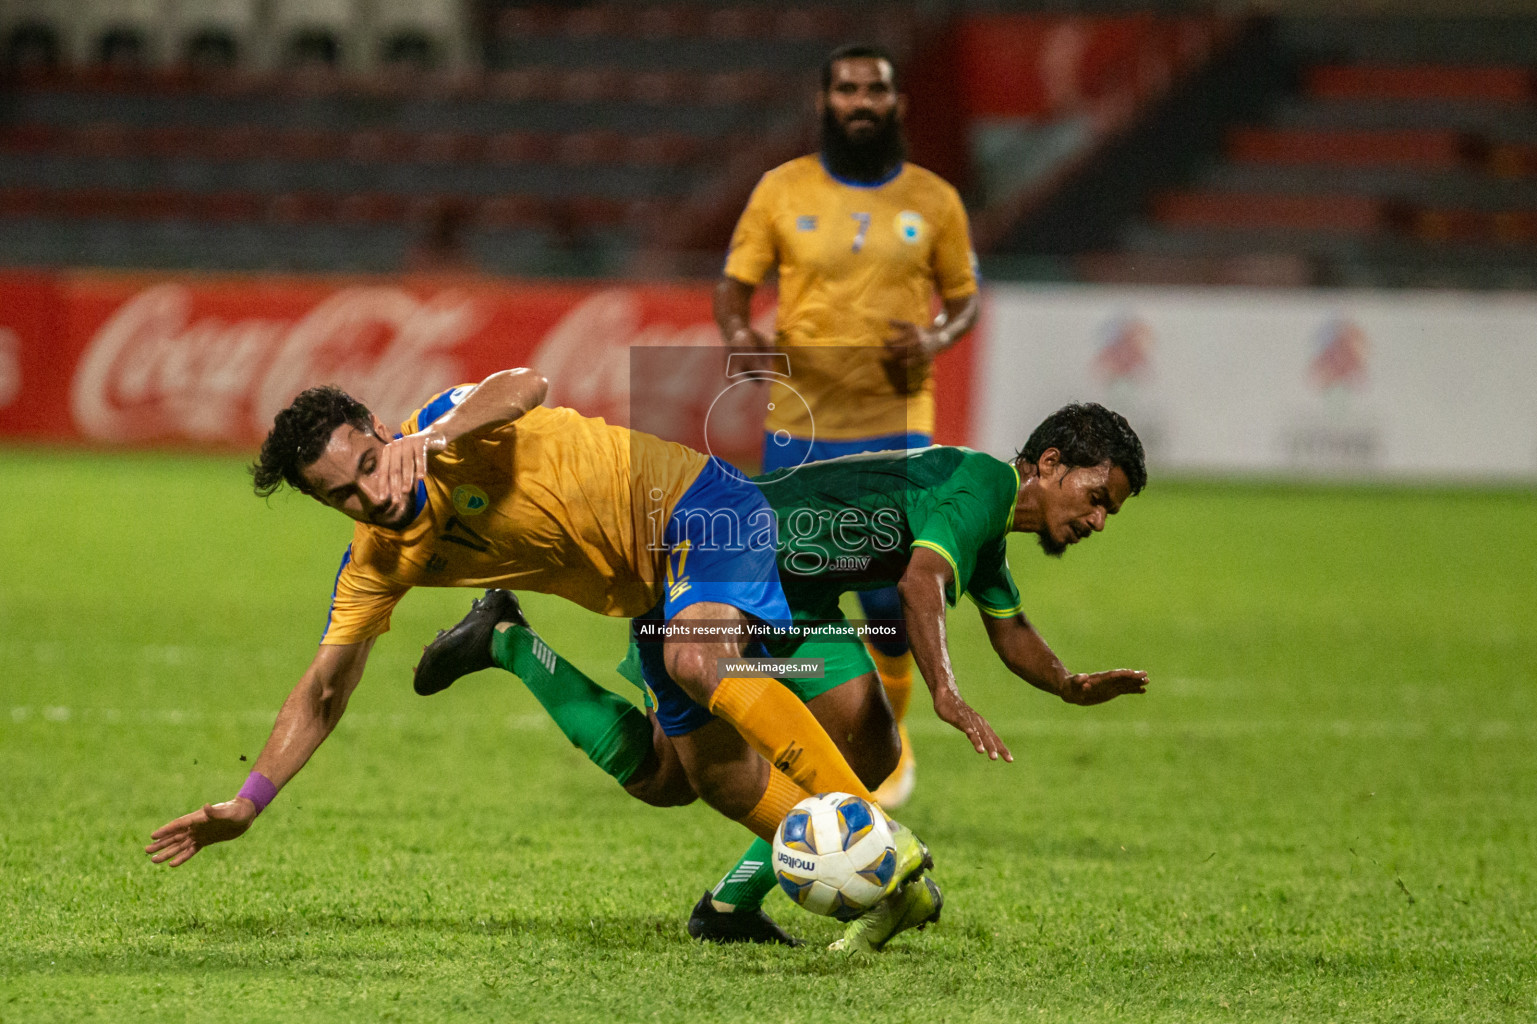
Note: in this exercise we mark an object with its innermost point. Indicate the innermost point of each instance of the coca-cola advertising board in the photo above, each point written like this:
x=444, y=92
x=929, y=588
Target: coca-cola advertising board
x=206, y=362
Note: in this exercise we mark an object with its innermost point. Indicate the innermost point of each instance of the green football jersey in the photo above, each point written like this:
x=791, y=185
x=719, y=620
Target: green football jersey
x=851, y=523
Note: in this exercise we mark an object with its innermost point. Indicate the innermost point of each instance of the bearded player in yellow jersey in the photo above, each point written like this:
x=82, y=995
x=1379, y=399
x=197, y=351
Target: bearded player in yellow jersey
x=863, y=241
x=485, y=487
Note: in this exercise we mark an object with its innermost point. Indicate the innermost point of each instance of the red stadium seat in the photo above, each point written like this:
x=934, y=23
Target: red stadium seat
x=519, y=85
x=511, y=211
x=662, y=88
x=1480, y=84
x=748, y=85
x=238, y=141
x=647, y=218
x=588, y=212
x=372, y=208
x=377, y=146
x=519, y=148
x=667, y=21
x=1264, y=270
x=1432, y=149
x=229, y=207
x=586, y=149
x=741, y=22
x=660, y=150
x=170, y=140
x=32, y=138
x=448, y=147
x=1515, y=227
x=301, y=208
x=88, y=203
x=809, y=23
x=589, y=85
x=303, y=144
x=104, y=140
x=603, y=19
x=1513, y=160
x=517, y=23
x=1349, y=215
x=26, y=202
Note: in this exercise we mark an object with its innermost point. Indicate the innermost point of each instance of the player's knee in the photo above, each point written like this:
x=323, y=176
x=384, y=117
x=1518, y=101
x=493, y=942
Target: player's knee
x=662, y=789
x=691, y=668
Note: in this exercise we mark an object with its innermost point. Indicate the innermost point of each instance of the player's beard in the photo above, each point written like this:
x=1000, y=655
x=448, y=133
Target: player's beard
x=865, y=161
x=1049, y=544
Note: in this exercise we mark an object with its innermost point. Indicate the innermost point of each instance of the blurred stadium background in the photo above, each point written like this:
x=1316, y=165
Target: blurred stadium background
x=182, y=182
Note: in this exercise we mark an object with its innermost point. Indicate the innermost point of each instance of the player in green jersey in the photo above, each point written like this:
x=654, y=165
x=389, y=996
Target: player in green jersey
x=934, y=523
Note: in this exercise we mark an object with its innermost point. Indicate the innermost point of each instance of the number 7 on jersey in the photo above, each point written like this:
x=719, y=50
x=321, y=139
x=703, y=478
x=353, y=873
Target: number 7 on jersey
x=863, y=220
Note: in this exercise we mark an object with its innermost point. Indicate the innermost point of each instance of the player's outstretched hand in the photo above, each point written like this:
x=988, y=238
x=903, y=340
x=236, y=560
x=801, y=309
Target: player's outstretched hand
x=952, y=708
x=1098, y=687
x=176, y=841
x=404, y=464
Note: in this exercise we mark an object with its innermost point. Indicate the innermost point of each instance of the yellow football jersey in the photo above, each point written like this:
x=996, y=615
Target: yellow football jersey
x=553, y=502
x=850, y=258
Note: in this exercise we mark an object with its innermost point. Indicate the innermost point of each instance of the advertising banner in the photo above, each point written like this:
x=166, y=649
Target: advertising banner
x=1431, y=387
x=204, y=361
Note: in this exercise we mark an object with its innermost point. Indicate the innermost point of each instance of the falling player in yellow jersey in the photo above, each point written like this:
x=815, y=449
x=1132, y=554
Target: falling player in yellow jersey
x=485, y=487
x=863, y=241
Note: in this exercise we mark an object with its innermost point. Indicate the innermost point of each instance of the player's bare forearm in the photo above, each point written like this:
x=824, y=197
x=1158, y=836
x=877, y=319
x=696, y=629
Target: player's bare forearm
x=307, y=717
x=1025, y=652
x=1028, y=656
x=500, y=398
x=312, y=710
x=732, y=306
x=922, y=590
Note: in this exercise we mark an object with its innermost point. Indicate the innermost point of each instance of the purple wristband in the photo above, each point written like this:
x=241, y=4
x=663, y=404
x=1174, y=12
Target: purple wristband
x=259, y=790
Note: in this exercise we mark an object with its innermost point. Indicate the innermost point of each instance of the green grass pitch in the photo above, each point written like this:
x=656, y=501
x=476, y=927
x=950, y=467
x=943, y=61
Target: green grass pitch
x=1324, y=809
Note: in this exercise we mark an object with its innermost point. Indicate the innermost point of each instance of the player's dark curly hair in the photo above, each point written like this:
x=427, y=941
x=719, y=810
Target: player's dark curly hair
x=300, y=433
x=1087, y=434
x=855, y=51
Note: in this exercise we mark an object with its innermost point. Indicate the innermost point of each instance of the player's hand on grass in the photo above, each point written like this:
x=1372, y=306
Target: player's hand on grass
x=1097, y=687
x=176, y=841
x=952, y=708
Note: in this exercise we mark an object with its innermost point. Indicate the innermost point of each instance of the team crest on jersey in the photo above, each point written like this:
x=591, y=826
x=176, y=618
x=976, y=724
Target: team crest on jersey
x=470, y=500
x=807, y=223
x=910, y=226
x=457, y=394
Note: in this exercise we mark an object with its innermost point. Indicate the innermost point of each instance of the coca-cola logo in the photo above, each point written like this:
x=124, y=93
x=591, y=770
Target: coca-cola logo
x=604, y=359
x=155, y=371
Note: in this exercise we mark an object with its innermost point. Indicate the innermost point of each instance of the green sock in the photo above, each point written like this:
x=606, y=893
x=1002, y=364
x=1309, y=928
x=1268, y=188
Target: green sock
x=613, y=733
x=750, y=881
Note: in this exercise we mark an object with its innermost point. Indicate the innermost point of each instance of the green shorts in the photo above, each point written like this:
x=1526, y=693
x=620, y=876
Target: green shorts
x=843, y=657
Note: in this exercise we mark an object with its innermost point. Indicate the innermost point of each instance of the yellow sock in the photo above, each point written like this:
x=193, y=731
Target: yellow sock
x=897, y=677
x=777, y=725
x=777, y=799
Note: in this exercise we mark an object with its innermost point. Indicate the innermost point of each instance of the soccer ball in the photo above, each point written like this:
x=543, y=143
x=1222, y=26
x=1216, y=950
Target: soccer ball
x=833, y=855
